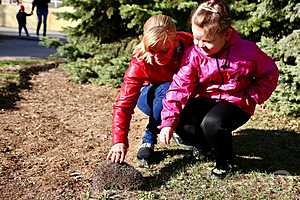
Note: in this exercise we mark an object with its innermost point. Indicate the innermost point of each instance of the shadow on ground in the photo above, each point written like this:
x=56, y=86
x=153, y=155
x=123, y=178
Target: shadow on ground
x=184, y=158
x=265, y=151
x=10, y=95
x=268, y=150
x=19, y=47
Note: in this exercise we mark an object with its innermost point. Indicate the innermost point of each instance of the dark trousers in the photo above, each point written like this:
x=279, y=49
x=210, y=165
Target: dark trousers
x=42, y=14
x=209, y=125
x=150, y=103
x=21, y=26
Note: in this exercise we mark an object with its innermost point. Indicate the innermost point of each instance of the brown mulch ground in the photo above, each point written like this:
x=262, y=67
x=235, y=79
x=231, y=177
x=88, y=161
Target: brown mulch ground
x=55, y=136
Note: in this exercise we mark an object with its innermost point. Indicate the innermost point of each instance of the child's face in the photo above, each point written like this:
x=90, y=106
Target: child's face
x=22, y=8
x=210, y=45
x=162, y=53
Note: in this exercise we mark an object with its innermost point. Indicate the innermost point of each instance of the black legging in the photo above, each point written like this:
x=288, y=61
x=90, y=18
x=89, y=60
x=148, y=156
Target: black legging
x=20, y=30
x=208, y=125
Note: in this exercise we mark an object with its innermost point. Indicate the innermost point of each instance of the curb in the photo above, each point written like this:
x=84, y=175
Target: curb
x=32, y=38
x=19, y=37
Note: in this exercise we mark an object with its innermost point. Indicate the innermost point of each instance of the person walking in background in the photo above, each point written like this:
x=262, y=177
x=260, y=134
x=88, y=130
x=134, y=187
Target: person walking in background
x=21, y=18
x=154, y=62
x=42, y=13
x=222, y=79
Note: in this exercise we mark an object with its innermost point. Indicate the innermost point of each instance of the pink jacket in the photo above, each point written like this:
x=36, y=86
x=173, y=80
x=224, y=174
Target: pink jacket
x=248, y=78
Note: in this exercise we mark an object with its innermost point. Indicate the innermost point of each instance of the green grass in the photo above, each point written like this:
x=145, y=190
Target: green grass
x=7, y=81
x=9, y=69
x=14, y=75
x=11, y=63
x=265, y=144
x=9, y=76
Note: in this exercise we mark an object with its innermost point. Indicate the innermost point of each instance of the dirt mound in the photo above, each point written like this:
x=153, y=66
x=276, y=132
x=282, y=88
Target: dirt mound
x=117, y=177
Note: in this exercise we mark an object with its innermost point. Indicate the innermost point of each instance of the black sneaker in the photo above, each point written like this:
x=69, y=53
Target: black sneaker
x=222, y=172
x=179, y=141
x=203, y=155
x=144, y=154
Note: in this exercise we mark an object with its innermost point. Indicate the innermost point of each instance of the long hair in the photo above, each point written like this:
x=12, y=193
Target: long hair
x=157, y=30
x=212, y=16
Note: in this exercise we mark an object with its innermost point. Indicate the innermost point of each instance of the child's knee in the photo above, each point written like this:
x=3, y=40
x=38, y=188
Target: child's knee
x=210, y=125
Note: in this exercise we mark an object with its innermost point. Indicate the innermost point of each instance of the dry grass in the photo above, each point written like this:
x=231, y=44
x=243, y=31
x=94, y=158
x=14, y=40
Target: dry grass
x=53, y=138
x=265, y=147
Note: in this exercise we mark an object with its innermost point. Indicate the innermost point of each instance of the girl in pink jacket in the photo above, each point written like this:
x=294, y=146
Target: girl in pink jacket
x=221, y=80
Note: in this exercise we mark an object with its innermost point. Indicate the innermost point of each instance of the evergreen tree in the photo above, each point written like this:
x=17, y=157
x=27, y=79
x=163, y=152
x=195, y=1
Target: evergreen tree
x=268, y=18
x=95, y=18
x=107, y=31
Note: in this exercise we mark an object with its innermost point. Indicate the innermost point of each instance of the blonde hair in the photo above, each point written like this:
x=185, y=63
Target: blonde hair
x=157, y=30
x=213, y=17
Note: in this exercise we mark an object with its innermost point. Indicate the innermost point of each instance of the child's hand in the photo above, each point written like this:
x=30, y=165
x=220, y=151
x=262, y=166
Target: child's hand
x=262, y=107
x=117, y=153
x=165, y=135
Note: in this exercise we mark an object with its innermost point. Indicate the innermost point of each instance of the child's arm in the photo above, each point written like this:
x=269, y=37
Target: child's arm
x=180, y=90
x=126, y=101
x=266, y=78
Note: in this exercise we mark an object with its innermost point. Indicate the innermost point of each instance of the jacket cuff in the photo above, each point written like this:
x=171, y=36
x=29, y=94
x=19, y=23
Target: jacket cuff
x=168, y=123
x=120, y=139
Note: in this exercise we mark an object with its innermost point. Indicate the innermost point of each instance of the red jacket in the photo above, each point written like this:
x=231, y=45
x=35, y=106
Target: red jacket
x=138, y=74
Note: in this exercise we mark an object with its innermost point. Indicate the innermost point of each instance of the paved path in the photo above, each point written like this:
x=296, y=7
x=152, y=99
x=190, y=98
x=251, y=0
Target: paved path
x=13, y=47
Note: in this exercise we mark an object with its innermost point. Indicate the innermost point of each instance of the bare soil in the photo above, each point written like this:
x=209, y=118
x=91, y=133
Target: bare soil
x=55, y=136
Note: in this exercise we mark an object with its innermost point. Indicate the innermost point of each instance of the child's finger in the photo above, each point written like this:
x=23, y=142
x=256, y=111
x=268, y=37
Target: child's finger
x=108, y=155
x=168, y=138
x=122, y=156
x=161, y=138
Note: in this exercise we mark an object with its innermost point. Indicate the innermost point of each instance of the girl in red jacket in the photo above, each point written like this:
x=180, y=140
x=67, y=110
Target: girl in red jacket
x=221, y=80
x=154, y=62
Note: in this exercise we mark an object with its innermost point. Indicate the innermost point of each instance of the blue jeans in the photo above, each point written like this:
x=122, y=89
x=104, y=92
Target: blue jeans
x=150, y=103
x=42, y=14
